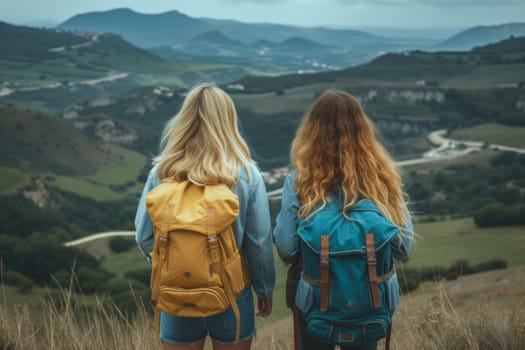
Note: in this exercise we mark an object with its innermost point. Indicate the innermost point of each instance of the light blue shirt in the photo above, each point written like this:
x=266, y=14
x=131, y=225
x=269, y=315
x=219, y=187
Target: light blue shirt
x=287, y=222
x=252, y=229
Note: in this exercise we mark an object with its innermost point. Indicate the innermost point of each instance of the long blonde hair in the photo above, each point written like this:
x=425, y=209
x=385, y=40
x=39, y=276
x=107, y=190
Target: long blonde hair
x=202, y=142
x=336, y=146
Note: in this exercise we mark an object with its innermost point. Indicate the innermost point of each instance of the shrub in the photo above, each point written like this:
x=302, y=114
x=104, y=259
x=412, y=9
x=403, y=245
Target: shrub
x=142, y=275
x=409, y=280
x=495, y=264
x=91, y=281
x=496, y=214
x=126, y=293
x=461, y=268
x=24, y=283
x=434, y=273
x=121, y=244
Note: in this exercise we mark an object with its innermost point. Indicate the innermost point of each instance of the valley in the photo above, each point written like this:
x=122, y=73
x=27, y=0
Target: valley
x=82, y=106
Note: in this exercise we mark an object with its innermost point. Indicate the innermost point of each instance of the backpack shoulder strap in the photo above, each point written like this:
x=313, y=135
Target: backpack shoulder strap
x=325, y=270
x=216, y=265
x=372, y=269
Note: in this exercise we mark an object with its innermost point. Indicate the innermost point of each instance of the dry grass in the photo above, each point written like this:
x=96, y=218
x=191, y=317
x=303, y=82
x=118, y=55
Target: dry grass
x=70, y=322
x=476, y=312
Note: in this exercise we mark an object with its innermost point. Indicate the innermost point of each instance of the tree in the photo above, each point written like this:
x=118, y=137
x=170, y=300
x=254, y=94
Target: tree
x=121, y=244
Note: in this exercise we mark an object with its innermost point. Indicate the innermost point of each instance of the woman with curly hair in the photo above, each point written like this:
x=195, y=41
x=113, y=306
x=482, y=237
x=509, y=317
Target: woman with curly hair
x=336, y=154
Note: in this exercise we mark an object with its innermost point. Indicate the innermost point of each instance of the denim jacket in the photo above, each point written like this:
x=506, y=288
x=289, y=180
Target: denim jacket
x=287, y=238
x=252, y=229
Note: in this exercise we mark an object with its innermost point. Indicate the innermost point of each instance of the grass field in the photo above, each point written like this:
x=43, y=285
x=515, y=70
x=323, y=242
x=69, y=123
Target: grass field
x=11, y=178
x=121, y=170
x=482, y=311
x=494, y=134
x=444, y=242
x=499, y=75
x=455, y=307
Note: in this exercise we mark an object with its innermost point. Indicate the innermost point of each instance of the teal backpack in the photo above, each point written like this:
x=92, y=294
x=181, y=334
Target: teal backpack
x=349, y=288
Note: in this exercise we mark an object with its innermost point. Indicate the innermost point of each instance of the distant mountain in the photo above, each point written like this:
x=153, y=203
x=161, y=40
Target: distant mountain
x=215, y=37
x=302, y=45
x=172, y=28
x=144, y=30
x=215, y=43
x=482, y=35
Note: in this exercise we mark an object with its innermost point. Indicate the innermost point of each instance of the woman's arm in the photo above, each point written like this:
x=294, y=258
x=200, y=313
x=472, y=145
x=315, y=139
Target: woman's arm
x=402, y=245
x=143, y=225
x=285, y=232
x=257, y=243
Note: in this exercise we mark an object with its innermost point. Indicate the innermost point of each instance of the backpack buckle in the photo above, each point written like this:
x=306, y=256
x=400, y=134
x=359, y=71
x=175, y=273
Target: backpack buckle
x=372, y=260
x=213, y=241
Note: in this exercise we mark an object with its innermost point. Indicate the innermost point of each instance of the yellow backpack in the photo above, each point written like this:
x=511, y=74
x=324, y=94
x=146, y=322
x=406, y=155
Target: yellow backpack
x=197, y=269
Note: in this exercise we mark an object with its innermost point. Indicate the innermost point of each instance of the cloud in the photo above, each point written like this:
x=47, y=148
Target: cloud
x=256, y=1
x=455, y=3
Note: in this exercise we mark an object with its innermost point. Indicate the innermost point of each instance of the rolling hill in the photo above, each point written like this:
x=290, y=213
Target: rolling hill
x=30, y=44
x=505, y=66
x=513, y=45
x=48, y=69
x=140, y=29
x=36, y=142
x=482, y=35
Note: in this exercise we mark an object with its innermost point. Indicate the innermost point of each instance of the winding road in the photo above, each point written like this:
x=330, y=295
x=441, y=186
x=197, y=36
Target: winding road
x=446, y=149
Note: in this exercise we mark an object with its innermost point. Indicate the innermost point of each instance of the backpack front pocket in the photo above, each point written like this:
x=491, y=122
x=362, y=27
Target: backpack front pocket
x=194, y=302
x=355, y=333
x=235, y=273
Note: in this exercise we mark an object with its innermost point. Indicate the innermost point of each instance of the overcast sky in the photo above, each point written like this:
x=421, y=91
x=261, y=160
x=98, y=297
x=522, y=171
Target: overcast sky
x=347, y=13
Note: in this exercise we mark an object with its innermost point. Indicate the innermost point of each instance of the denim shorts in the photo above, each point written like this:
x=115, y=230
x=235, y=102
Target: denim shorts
x=221, y=327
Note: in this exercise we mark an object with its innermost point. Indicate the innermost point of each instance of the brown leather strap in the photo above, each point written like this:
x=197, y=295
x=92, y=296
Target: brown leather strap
x=387, y=340
x=311, y=281
x=380, y=279
x=163, y=241
x=213, y=242
x=296, y=336
x=372, y=269
x=159, y=258
x=383, y=278
x=325, y=271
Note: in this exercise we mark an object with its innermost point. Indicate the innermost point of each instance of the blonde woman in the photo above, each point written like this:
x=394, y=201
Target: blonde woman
x=335, y=151
x=202, y=144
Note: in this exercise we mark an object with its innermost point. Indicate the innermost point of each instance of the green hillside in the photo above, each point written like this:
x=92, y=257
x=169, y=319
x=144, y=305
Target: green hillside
x=35, y=142
x=493, y=133
x=508, y=46
x=29, y=44
x=38, y=61
x=483, y=67
x=442, y=243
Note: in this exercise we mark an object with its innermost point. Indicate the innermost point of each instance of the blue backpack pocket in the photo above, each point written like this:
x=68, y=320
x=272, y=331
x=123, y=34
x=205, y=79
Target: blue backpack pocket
x=345, y=334
x=304, y=298
x=392, y=292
